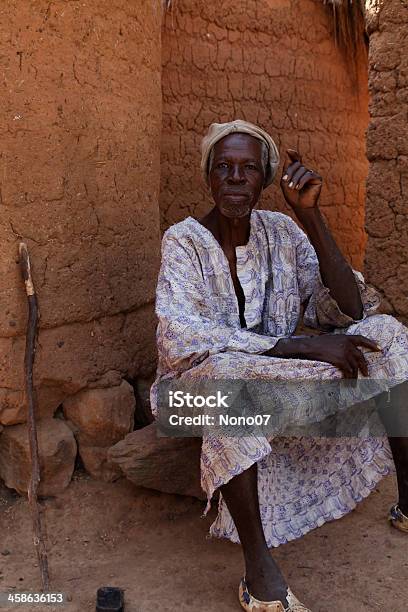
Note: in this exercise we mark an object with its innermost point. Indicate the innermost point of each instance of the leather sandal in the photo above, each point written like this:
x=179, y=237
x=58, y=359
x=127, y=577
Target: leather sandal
x=398, y=519
x=250, y=603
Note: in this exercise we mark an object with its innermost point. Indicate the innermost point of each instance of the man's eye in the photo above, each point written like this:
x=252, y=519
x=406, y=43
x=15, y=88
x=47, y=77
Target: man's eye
x=251, y=166
x=222, y=165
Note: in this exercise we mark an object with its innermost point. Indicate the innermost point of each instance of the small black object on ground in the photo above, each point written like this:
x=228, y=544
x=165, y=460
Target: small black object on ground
x=110, y=599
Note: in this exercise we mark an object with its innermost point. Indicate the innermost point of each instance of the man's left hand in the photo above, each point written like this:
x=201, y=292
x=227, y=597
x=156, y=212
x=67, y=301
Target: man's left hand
x=301, y=186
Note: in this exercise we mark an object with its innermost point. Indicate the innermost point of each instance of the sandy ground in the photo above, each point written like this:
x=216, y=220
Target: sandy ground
x=154, y=546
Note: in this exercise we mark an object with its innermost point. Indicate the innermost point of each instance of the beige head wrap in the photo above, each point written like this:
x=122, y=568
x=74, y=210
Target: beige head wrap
x=217, y=131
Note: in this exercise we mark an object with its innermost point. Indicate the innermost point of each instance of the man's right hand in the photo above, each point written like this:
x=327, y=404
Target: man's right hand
x=338, y=349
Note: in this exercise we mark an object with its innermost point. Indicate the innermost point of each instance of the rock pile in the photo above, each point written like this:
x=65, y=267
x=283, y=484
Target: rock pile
x=98, y=424
x=99, y=418
x=91, y=422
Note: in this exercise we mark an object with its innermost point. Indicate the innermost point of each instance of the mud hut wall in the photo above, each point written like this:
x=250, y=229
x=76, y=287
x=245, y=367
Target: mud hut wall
x=387, y=150
x=80, y=164
x=273, y=62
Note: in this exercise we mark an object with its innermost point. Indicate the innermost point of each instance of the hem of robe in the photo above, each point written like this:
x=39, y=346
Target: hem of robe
x=358, y=487
x=244, y=464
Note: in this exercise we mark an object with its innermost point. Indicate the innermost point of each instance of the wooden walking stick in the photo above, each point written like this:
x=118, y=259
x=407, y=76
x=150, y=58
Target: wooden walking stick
x=31, y=338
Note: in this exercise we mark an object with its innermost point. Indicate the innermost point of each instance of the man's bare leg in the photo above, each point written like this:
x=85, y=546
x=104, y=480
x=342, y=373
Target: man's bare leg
x=264, y=578
x=399, y=448
x=394, y=415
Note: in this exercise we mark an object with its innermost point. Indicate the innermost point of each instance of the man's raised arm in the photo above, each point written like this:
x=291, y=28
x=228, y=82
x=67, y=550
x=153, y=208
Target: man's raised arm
x=301, y=188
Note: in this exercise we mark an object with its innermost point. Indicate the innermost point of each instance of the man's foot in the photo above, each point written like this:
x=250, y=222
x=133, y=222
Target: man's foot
x=266, y=582
x=398, y=518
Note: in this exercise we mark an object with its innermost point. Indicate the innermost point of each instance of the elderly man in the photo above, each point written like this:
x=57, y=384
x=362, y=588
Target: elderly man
x=229, y=298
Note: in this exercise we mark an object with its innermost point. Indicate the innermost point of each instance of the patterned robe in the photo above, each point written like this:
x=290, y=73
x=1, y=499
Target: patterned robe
x=302, y=481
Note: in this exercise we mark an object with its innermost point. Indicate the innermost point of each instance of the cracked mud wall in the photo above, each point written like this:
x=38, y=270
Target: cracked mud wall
x=387, y=150
x=79, y=180
x=272, y=62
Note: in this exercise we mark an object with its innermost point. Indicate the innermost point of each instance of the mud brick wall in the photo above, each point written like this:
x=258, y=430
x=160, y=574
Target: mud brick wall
x=387, y=150
x=272, y=62
x=79, y=178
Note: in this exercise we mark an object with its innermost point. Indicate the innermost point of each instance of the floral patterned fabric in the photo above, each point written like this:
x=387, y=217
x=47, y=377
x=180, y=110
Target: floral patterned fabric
x=302, y=482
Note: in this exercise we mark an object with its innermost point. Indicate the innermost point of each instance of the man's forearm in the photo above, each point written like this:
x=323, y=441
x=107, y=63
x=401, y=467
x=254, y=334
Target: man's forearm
x=295, y=348
x=336, y=273
x=340, y=350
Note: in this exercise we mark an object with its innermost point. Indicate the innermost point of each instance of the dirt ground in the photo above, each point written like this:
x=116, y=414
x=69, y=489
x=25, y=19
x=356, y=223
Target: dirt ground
x=154, y=546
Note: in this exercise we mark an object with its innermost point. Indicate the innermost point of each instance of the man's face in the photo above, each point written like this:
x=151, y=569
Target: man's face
x=236, y=176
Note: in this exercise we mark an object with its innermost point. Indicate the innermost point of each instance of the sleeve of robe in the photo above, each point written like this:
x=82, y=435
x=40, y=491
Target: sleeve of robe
x=187, y=331
x=322, y=310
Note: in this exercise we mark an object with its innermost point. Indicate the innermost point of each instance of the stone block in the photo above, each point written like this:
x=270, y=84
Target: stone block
x=57, y=452
x=100, y=417
x=171, y=465
x=13, y=407
x=97, y=465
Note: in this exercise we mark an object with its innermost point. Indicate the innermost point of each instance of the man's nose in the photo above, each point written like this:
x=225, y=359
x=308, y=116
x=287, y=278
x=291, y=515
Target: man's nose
x=237, y=174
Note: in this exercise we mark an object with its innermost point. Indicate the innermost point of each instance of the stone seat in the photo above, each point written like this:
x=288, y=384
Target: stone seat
x=170, y=465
